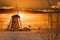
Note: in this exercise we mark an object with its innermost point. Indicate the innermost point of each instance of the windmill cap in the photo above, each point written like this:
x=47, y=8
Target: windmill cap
x=15, y=16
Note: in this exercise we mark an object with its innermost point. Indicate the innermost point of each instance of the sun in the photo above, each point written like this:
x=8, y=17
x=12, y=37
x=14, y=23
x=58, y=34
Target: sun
x=21, y=15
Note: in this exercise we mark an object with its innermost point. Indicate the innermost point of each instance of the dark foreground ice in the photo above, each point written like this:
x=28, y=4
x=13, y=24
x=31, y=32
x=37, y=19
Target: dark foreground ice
x=28, y=36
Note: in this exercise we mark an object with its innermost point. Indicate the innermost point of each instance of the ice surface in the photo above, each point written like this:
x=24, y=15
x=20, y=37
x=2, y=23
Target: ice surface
x=27, y=36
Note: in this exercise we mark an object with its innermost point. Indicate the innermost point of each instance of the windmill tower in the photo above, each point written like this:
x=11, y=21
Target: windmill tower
x=14, y=24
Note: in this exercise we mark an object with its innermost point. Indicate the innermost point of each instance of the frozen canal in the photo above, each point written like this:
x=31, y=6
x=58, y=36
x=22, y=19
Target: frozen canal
x=26, y=36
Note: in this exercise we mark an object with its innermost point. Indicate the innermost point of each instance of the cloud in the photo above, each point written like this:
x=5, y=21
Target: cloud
x=34, y=4
x=56, y=5
x=6, y=7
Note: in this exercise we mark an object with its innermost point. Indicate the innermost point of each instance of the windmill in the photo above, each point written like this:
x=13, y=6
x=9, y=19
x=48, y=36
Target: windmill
x=15, y=22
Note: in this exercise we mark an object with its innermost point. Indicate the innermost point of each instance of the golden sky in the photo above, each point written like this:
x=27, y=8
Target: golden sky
x=35, y=20
x=35, y=4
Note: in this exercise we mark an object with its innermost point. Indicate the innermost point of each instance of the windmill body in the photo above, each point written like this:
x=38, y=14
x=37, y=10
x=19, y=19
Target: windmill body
x=14, y=23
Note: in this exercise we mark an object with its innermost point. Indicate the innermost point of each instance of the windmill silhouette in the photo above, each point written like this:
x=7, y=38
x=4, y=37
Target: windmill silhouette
x=15, y=22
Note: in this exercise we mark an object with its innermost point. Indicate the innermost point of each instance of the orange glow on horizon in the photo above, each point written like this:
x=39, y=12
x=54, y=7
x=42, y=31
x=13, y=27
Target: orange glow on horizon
x=34, y=20
x=21, y=15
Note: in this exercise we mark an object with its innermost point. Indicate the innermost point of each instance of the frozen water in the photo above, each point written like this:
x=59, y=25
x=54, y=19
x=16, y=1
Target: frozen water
x=26, y=35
